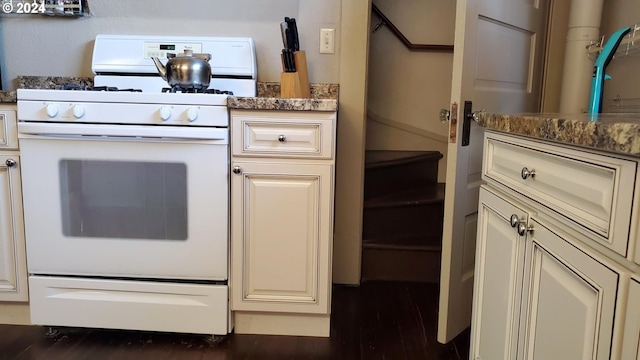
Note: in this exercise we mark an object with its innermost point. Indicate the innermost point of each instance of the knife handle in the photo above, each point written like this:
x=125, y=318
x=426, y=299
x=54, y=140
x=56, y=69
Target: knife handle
x=284, y=60
x=292, y=61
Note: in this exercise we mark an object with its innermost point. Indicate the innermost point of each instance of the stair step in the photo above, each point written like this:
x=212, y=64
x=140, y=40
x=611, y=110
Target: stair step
x=383, y=158
x=414, y=212
x=400, y=265
x=407, y=243
x=389, y=170
x=426, y=194
x=402, y=216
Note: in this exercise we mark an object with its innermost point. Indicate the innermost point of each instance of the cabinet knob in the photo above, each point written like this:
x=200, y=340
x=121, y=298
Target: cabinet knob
x=526, y=173
x=237, y=170
x=523, y=229
x=514, y=221
x=282, y=138
x=10, y=163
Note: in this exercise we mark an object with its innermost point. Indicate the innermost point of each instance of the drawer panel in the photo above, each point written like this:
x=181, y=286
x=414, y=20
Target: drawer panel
x=129, y=304
x=283, y=134
x=587, y=189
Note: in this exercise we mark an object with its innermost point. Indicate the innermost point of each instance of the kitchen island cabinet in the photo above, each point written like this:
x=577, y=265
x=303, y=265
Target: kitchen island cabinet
x=13, y=269
x=631, y=340
x=554, y=248
x=282, y=181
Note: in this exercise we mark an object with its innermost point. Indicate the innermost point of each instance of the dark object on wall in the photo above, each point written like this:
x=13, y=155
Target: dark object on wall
x=64, y=7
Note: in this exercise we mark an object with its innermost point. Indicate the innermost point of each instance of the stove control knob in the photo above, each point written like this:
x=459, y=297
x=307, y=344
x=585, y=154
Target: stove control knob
x=192, y=114
x=165, y=113
x=52, y=110
x=78, y=111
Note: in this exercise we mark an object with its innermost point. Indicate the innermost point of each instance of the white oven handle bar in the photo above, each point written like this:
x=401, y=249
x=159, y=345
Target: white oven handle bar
x=133, y=132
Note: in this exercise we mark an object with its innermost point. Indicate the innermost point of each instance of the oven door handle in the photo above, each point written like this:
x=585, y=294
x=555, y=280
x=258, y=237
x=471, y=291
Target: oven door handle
x=168, y=133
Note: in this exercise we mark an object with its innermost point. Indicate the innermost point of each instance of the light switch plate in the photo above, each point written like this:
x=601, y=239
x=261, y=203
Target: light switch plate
x=327, y=41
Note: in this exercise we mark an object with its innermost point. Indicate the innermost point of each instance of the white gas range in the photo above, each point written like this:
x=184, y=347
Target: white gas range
x=126, y=191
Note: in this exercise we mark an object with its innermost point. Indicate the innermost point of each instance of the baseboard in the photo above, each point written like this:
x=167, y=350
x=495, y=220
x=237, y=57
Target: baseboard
x=15, y=314
x=282, y=324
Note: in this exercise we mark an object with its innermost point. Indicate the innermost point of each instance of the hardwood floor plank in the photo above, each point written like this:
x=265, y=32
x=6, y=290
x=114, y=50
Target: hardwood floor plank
x=375, y=321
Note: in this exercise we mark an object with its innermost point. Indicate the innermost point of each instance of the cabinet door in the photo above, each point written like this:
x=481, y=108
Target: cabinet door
x=631, y=341
x=13, y=269
x=498, y=278
x=281, y=236
x=569, y=300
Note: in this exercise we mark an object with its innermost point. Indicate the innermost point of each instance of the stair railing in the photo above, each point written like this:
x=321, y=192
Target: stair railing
x=411, y=46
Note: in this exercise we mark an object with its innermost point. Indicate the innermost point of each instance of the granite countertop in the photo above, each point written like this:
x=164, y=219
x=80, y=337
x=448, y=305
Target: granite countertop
x=41, y=82
x=8, y=96
x=324, y=97
x=619, y=133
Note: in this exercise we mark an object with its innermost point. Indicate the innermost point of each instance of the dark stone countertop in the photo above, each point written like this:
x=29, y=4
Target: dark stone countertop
x=41, y=82
x=619, y=133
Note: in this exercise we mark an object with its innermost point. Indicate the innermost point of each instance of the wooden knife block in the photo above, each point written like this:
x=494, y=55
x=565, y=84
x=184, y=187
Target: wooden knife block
x=295, y=84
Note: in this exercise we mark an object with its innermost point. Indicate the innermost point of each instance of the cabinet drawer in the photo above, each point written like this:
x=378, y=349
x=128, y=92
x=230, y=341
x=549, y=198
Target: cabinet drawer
x=282, y=134
x=590, y=190
x=8, y=129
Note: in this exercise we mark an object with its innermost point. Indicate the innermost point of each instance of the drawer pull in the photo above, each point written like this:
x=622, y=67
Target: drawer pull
x=514, y=221
x=526, y=173
x=282, y=138
x=523, y=229
x=10, y=163
x=237, y=170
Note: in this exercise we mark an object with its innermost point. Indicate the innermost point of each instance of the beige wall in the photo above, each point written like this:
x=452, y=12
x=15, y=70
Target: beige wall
x=407, y=89
x=350, y=147
x=624, y=71
x=42, y=45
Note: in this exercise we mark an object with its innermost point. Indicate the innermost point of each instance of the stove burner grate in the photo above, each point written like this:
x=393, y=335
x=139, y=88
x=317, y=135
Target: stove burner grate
x=179, y=89
x=95, y=88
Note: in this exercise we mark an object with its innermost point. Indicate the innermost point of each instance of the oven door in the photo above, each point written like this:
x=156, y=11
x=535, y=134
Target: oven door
x=125, y=201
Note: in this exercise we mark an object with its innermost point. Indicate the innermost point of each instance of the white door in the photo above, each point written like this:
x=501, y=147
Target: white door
x=497, y=64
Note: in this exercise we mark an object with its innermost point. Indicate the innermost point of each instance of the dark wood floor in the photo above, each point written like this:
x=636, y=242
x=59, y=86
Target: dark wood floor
x=378, y=320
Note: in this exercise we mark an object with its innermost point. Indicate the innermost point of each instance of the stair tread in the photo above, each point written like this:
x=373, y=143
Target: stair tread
x=420, y=243
x=382, y=158
x=428, y=194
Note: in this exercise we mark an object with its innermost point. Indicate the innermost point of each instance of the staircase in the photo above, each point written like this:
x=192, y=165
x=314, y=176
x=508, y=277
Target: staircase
x=402, y=216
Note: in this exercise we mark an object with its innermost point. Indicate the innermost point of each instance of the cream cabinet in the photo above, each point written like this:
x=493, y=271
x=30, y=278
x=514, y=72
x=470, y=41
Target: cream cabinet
x=569, y=299
x=536, y=295
x=552, y=253
x=499, y=275
x=631, y=340
x=282, y=186
x=13, y=269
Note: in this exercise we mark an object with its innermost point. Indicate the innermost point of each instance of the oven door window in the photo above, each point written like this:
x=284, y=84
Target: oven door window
x=123, y=199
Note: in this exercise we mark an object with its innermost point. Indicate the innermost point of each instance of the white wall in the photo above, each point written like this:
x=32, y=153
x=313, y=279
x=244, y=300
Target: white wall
x=47, y=46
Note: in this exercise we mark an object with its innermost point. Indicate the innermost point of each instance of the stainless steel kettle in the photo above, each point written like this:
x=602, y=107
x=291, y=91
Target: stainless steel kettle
x=187, y=71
